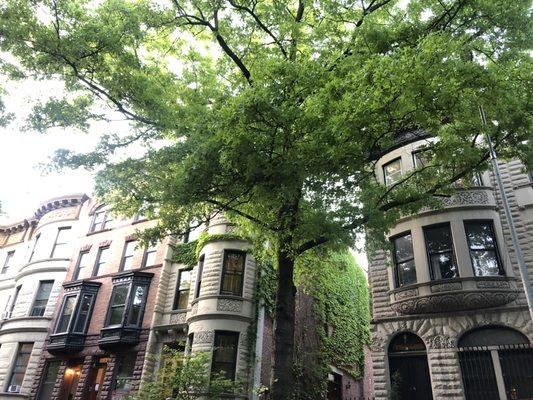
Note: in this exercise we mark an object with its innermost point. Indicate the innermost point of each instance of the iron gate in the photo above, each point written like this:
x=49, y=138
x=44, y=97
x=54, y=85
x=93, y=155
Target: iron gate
x=488, y=371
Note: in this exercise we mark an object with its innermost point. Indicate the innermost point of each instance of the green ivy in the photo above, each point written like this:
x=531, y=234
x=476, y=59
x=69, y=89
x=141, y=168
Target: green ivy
x=340, y=291
x=185, y=253
x=219, y=237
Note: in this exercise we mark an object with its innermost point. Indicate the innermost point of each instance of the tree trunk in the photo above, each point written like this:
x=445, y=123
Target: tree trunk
x=282, y=368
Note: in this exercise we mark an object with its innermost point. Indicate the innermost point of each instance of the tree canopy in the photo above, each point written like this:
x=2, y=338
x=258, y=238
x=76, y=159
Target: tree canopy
x=272, y=111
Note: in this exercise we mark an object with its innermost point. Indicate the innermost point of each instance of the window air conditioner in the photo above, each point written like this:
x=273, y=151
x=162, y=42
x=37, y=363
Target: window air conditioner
x=13, y=389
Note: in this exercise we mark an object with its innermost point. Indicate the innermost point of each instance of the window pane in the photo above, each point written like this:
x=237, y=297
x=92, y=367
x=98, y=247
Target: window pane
x=150, y=257
x=41, y=299
x=129, y=251
x=118, y=304
x=392, y=172
x=115, y=316
x=83, y=313
x=82, y=270
x=124, y=376
x=485, y=263
x=483, y=252
x=233, y=272
x=64, y=319
x=182, y=291
x=120, y=293
x=439, y=247
x=139, y=294
x=7, y=262
x=49, y=380
x=103, y=254
x=61, y=248
x=420, y=159
x=403, y=247
x=225, y=353
x=21, y=363
x=407, y=273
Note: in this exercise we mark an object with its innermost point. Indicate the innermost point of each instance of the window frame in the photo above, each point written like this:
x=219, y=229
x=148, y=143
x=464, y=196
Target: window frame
x=43, y=379
x=77, y=314
x=496, y=249
x=414, y=153
x=386, y=165
x=14, y=300
x=199, y=273
x=429, y=255
x=396, y=275
x=148, y=250
x=56, y=243
x=9, y=257
x=179, y=291
x=97, y=264
x=236, y=335
x=128, y=305
x=60, y=315
x=224, y=271
x=120, y=364
x=105, y=220
x=35, y=243
x=13, y=371
x=77, y=269
x=125, y=256
x=35, y=299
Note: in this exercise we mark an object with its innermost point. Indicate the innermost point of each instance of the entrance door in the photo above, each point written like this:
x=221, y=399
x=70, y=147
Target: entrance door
x=72, y=376
x=408, y=367
x=96, y=379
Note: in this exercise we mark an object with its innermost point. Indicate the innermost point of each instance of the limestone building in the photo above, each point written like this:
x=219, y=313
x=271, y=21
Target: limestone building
x=449, y=313
x=35, y=255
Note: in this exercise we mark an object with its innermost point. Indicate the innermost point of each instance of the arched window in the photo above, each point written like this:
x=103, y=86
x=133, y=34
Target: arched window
x=496, y=362
x=408, y=368
x=101, y=219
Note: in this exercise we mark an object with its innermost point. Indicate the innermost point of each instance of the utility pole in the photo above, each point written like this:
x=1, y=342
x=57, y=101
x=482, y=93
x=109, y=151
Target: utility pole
x=518, y=251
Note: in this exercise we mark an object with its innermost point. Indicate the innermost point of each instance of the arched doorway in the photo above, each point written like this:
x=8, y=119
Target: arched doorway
x=408, y=367
x=496, y=363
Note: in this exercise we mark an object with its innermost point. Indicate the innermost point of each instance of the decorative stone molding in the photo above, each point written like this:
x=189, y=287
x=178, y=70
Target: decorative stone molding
x=454, y=295
x=178, y=319
x=203, y=337
x=466, y=198
x=105, y=243
x=406, y=294
x=194, y=309
x=229, y=305
x=378, y=343
x=441, y=342
x=446, y=287
x=86, y=247
x=60, y=202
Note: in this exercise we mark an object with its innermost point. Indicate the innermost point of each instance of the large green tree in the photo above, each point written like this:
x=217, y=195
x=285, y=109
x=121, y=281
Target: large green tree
x=272, y=111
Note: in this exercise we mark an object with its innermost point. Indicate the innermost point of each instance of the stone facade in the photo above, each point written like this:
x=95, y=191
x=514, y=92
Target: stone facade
x=442, y=312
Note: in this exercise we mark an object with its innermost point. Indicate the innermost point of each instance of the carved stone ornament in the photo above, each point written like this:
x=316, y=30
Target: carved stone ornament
x=178, y=319
x=441, y=342
x=194, y=309
x=203, y=337
x=405, y=294
x=230, y=305
x=447, y=302
x=446, y=287
x=466, y=197
x=493, y=285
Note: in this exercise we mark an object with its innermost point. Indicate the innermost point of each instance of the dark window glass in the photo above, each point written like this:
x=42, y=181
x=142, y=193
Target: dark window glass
x=101, y=221
x=101, y=260
x=7, y=262
x=483, y=249
x=225, y=354
x=181, y=300
x=233, y=272
x=137, y=304
x=19, y=369
x=81, y=266
x=149, y=256
x=60, y=249
x=124, y=376
x=404, y=262
x=127, y=255
x=83, y=313
x=199, y=277
x=392, y=172
x=14, y=302
x=420, y=158
x=49, y=380
x=439, y=248
x=41, y=300
x=117, y=305
x=66, y=313
x=35, y=247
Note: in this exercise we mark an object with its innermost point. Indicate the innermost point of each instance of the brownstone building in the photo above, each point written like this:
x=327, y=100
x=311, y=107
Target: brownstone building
x=100, y=328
